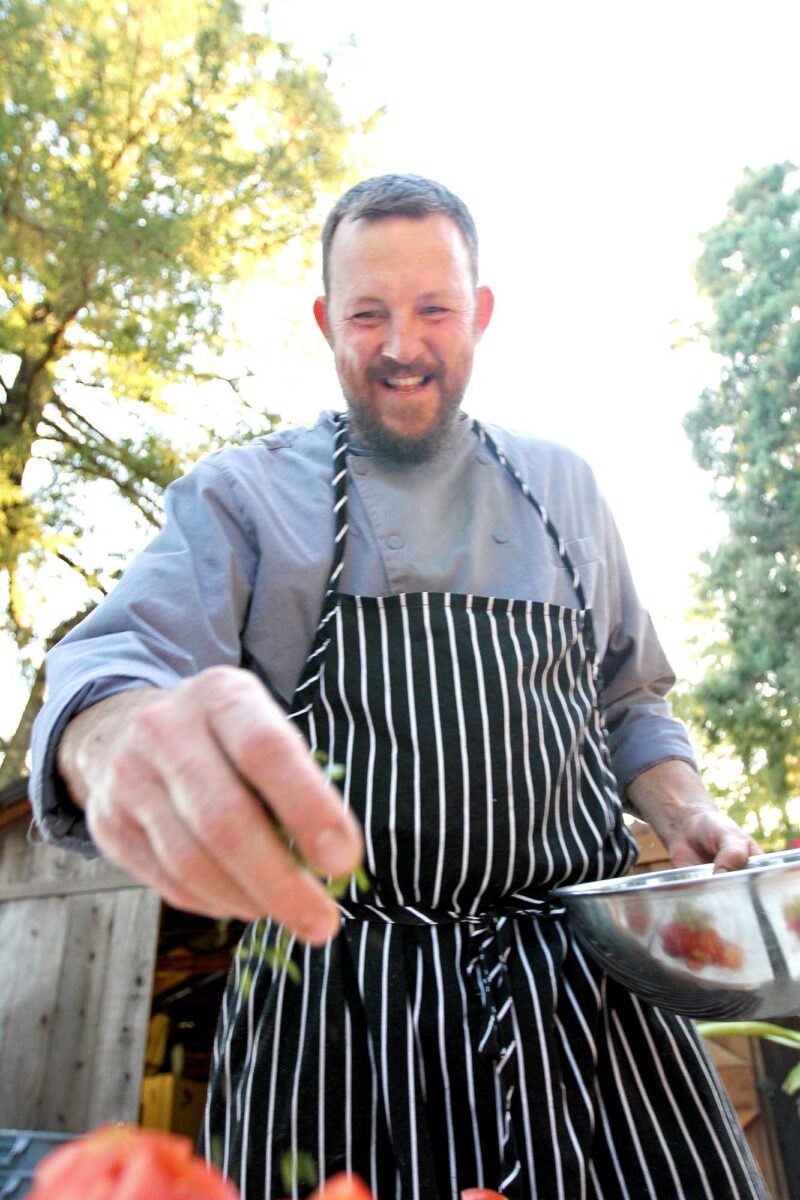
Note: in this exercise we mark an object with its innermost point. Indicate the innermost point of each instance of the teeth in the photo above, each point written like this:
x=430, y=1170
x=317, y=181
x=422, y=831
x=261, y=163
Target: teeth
x=410, y=381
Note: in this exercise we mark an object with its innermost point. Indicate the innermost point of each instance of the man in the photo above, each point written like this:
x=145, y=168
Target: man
x=445, y=612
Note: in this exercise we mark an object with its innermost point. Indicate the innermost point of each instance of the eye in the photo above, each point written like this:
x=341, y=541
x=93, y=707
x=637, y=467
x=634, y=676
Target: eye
x=368, y=316
x=434, y=310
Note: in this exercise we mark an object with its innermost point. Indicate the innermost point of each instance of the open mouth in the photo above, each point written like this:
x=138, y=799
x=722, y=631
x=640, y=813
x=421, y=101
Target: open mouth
x=407, y=383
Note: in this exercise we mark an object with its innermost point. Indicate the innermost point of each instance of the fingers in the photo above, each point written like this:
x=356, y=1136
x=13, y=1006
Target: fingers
x=735, y=848
x=718, y=839
x=270, y=754
x=712, y=837
x=177, y=805
x=124, y=842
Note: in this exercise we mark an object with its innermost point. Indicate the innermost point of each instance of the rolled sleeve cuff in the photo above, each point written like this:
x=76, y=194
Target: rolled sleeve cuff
x=647, y=741
x=57, y=817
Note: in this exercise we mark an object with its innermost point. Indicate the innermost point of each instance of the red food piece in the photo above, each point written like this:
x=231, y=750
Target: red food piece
x=700, y=946
x=124, y=1162
x=791, y=911
x=481, y=1194
x=343, y=1187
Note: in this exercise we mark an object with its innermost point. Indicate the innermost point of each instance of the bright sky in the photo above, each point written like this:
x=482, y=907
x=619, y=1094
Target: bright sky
x=593, y=143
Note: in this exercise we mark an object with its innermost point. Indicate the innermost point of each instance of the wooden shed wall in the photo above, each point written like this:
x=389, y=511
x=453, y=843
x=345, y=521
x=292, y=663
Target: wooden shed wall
x=77, y=949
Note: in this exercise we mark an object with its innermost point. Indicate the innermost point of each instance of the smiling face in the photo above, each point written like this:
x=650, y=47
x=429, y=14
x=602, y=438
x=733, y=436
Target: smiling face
x=402, y=316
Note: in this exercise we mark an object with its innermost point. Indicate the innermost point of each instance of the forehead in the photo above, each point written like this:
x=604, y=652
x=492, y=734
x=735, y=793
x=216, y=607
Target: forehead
x=393, y=254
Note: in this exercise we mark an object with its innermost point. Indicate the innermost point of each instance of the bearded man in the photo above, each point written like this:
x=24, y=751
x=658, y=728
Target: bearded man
x=444, y=609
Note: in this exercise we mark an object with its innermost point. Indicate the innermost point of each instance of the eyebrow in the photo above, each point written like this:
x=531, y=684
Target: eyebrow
x=426, y=296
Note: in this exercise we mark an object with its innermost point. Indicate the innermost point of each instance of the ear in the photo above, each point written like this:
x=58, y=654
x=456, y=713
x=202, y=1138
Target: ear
x=321, y=317
x=484, y=307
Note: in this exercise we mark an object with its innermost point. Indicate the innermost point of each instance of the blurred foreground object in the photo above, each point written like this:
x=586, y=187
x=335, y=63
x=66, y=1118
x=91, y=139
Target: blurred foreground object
x=119, y=1161
x=124, y=1162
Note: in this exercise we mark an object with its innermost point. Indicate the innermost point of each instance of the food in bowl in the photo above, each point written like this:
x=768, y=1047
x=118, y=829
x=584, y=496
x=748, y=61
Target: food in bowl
x=709, y=945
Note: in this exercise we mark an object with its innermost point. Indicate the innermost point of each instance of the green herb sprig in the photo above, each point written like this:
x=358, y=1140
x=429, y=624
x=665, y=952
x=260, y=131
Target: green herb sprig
x=278, y=956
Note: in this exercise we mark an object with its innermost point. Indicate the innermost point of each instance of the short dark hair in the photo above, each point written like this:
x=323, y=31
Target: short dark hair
x=398, y=196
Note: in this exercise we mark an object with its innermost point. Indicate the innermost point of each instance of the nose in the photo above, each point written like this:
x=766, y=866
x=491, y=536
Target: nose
x=403, y=342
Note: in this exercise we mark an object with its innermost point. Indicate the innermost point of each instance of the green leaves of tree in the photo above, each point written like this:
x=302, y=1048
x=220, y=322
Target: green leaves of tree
x=746, y=433
x=150, y=155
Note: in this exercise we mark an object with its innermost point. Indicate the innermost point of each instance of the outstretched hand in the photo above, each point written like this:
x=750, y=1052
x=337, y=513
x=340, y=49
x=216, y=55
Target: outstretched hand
x=193, y=790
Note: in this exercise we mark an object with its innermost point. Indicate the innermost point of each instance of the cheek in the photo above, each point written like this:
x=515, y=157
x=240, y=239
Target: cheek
x=350, y=359
x=355, y=355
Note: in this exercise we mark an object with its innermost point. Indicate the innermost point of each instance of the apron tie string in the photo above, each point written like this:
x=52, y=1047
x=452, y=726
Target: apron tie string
x=489, y=935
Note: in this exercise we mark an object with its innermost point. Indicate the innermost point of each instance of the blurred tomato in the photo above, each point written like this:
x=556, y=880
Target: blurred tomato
x=343, y=1187
x=123, y=1162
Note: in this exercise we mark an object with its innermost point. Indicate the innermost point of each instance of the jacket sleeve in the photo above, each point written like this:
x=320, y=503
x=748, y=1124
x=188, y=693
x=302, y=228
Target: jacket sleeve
x=635, y=678
x=179, y=607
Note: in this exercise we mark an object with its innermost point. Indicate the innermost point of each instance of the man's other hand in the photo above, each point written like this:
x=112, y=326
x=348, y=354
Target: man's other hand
x=672, y=797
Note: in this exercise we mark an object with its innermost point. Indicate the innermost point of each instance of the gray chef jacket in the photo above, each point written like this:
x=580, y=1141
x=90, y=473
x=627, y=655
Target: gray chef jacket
x=237, y=576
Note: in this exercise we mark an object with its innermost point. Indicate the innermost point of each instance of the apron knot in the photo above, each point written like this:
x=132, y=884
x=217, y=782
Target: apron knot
x=543, y=907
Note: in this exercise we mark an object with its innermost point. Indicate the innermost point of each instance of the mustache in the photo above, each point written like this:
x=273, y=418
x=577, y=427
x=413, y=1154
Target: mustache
x=390, y=368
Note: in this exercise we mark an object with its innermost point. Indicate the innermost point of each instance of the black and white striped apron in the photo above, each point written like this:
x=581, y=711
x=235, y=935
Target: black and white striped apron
x=454, y=1035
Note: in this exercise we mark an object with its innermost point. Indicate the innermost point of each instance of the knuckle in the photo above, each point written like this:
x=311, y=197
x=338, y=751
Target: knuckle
x=186, y=862
x=261, y=748
x=221, y=685
x=270, y=747
x=220, y=826
x=123, y=775
x=102, y=825
x=153, y=725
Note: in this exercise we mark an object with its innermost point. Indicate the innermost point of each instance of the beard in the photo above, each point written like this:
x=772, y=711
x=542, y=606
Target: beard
x=373, y=431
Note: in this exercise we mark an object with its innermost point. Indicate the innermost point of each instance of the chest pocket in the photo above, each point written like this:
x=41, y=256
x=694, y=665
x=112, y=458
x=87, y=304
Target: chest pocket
x=581, y=551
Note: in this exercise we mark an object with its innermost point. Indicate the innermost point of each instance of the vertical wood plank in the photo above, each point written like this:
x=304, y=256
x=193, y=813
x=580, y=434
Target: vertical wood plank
x=122, y=1031
x=74, y=1005
x=32, y=938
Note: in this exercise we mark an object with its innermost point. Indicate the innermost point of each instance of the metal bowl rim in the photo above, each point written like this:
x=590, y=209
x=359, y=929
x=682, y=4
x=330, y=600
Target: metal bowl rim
x=775, y=863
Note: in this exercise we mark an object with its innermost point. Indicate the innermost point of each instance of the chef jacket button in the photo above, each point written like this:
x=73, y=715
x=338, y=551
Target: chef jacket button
x=359, y=465
x=394, y=542
x=482, y=458
x=499, y=536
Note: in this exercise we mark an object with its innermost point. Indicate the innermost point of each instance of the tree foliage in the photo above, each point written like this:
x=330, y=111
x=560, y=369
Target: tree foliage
x=150, y=155
x=746, y=433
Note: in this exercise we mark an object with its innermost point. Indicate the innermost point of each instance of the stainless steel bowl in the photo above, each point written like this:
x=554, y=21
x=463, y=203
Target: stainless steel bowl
x=717, y=946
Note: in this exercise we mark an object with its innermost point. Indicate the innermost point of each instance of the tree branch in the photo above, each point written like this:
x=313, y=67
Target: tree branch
x=148, y=509
x=89, y=577
x=79, y=419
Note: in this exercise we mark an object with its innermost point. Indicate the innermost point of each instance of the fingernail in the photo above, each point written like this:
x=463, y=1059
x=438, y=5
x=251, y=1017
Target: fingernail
x=319, y=930
x=334, y=851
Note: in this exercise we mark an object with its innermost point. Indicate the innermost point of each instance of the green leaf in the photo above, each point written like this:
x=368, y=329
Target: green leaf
x=298, y=1169
x=791, y=1083
x=762, y=1029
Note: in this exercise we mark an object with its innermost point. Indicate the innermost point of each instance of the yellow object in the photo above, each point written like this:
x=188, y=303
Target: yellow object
x=172, y=1104
x=157, y=1038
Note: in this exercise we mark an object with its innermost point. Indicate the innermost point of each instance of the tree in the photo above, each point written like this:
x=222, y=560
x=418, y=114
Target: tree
x=150, y=156
x=746, y=433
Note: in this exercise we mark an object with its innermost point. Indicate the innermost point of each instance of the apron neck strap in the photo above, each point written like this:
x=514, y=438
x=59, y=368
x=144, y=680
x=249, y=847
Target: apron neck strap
x=339, y=484
x=341, y=526
x=553, y=533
